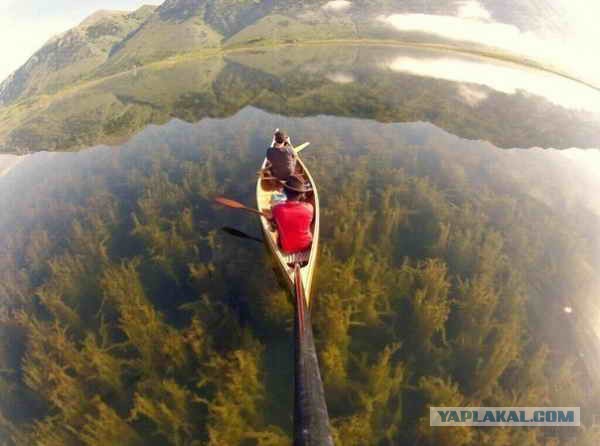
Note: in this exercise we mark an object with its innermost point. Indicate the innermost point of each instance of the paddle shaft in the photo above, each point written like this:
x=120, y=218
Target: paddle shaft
x=311, y=418
x=254, y=211
x=232, y=204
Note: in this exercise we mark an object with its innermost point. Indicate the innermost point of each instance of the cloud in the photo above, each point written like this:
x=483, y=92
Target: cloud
x=341, y=78
x=472, y=95
x=7, y=162
x=337, y=5
x=504, y=77
x=588, y=159
x=459, y=28
x=587, y=162
x=473, y=10
x=575, y=52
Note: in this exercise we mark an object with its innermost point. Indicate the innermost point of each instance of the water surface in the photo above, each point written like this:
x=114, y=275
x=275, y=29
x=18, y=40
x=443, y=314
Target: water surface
x=457, y=268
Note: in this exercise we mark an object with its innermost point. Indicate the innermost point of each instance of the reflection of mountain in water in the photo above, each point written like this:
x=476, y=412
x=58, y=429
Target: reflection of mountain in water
x=296, y=81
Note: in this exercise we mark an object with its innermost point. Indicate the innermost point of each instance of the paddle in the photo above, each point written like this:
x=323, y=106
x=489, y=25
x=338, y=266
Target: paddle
x=237, y=205
x=301, y=147
x=298, y=149
x=240, y=234
x=311, y=419
x=300, y=298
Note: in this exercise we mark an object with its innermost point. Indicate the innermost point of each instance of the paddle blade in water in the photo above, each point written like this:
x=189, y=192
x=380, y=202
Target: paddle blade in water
x=301, y=147
x=230, y=203
x=239, y=234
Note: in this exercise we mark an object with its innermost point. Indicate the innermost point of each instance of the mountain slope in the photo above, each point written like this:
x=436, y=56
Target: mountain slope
x=112, y=42
x=185, y=25
x=176, y=26
x=72, y=55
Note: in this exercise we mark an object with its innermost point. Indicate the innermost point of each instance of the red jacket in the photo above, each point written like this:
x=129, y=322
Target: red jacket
x=293, y=219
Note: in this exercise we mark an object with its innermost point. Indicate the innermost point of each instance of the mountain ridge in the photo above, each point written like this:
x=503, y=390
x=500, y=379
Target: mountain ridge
x=70, y=56
x=100, y=15
x=180, y=26
x=111, y=42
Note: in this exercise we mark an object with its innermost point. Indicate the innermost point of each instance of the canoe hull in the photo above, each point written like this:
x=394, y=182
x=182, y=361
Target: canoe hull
x=264, y=189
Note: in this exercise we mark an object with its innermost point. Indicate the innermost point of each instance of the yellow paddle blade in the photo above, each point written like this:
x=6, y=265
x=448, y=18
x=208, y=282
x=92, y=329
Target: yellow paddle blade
x=301, y=147
x=230, y=203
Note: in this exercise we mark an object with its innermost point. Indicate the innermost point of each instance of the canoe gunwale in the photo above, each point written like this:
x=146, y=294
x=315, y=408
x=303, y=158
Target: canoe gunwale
x=263, y=203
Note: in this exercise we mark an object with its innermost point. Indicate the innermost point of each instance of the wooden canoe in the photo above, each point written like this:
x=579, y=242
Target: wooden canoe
x=264, y=190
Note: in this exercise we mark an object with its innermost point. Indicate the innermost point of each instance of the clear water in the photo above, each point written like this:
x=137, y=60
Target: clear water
x=459, y=260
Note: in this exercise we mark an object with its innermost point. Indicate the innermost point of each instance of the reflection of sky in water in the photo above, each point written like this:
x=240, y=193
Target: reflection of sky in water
x=575, y=50
x=587, y=166
x=7, y=162
x=337, y=5
x=504, y=77
x=341, y=77
x=580, y=174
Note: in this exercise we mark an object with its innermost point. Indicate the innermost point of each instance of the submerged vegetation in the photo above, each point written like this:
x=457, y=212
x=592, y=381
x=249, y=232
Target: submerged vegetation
x=127, y=317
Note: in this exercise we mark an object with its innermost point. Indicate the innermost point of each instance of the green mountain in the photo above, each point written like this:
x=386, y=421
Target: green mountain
x=180, y=26
x=109, y=42
x=176, y=26
x=72, y=55
x=112, y=42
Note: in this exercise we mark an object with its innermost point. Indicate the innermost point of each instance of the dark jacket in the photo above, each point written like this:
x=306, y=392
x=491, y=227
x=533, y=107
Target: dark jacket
x=283, y=161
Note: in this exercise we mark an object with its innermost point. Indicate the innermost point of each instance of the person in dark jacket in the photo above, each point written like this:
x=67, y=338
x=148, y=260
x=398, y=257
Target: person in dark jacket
x=281, y=156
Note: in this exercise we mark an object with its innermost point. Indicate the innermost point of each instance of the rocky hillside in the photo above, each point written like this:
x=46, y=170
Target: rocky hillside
x=188, y=25
x=176, y=26
x=72, y=55
x=111, y=42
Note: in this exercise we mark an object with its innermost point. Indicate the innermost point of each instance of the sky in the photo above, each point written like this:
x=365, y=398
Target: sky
x=25, y=25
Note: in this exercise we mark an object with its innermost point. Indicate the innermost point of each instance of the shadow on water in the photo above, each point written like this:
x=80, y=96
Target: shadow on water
x=239, y=234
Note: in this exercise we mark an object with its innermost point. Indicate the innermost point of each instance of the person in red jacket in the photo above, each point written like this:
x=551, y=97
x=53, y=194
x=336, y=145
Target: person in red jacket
x=294, y=217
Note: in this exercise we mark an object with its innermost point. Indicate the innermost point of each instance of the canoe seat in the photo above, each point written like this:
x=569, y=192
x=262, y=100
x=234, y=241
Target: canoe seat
x=301, y=257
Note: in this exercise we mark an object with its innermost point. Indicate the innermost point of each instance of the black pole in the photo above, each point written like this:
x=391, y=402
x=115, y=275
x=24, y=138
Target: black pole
x=311, y=419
